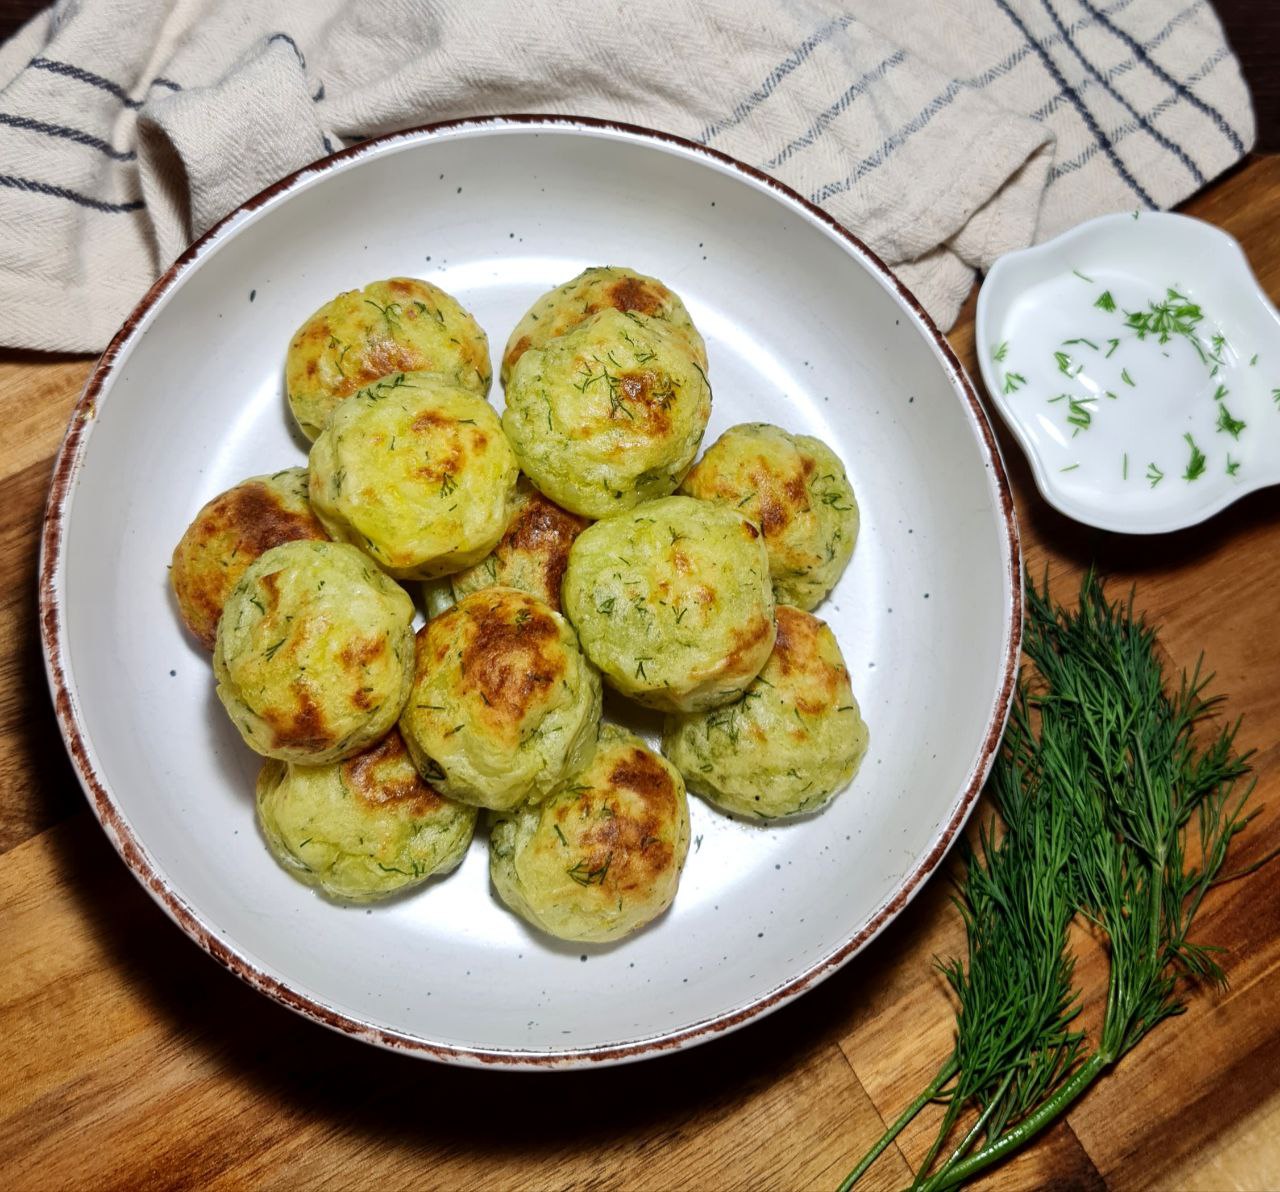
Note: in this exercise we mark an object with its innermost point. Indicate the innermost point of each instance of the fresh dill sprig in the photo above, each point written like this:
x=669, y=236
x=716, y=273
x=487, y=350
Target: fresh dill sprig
x=1196, y=464
x=1227, y=424
x=1106, y=302
x=1116, y=809
x=1176, y=315
x=1000, y=351
x=1154, y=475
x=1079, y=411
x=1014, y=381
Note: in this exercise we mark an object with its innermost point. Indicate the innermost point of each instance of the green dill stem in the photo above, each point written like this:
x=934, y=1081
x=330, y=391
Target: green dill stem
x=975, y=1132
x=1045, y=1115
x=945, y=1073
x=948, y=1121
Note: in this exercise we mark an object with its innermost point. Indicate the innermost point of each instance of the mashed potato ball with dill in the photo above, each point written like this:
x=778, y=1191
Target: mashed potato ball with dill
x=417, y=473
x=503, y=702
x=793, y=740
x=393, y=326
x=601, y=287
x=602, y=856
x=364, y=828
x=533, y=553
x=228, y=534
x=672, y=602
x=608, y=415
x=795, y=489
x=314, y=656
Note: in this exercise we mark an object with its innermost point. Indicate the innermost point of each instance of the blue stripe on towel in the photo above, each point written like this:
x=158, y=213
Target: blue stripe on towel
x=1070, y=167
x=61, y=192
x=67, y=134
x=892, y=143
x=1183, y=91
x=284, y=37
x=85, y=76
x=796, y=58
x=819, y=126
x=1043, y=113
x=1085, y=114
x=1156, y=135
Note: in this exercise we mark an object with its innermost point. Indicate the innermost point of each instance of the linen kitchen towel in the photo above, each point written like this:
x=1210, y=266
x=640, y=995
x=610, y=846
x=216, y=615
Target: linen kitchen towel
x=942, y=132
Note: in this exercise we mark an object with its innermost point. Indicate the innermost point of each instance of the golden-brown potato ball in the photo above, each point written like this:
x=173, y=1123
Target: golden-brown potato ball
x=602, y=856
x=228, y=534
x=399, y=325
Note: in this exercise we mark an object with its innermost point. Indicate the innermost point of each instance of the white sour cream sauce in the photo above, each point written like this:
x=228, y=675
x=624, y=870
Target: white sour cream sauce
x=1111, y=416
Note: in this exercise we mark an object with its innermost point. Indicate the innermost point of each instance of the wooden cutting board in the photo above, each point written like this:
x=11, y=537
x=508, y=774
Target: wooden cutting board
x=129, y=1059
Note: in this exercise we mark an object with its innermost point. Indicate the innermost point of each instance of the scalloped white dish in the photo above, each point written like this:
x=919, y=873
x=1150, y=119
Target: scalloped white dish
x=1137, y=361
x=804, y=327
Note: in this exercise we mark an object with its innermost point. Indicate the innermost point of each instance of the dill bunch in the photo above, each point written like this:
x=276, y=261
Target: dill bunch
x=1115, y=810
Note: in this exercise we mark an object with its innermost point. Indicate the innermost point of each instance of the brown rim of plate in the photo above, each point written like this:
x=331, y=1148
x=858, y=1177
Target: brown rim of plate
x=66, y=467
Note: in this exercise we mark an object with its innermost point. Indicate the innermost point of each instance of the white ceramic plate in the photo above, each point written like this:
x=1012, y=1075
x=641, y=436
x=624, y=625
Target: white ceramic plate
x=1128, y=467
x=804, y=328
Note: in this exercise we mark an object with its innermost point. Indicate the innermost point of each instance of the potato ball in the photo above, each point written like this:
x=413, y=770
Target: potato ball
x=228, y=534
x=602, y=856
x=795, y=489
x=364, y=828
x=415, y=472
x=314, y=655
x=503, y=702
x=393, y=326
x=533, y=552
x=608, y=415
x=672, y=602
x=593, y=290
x=793, y=740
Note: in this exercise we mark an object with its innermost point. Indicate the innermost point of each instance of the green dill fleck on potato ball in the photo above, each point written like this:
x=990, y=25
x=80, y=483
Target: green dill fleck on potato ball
x=314, y=654
x=533, y=553
x=602, y=856
x=399, y=325
x=794, y=488
x=364, y=828
x=599, y=288
x=794, y=739
x=608, y=415
x=503, y=703
x=417, y=473
x=227, y=535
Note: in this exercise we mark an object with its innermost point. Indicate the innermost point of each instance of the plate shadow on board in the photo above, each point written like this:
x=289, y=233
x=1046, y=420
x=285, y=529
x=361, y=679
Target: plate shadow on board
x=219, y=1025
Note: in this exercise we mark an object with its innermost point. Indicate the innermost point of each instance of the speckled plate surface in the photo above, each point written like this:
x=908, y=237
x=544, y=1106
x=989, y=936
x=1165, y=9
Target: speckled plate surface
x=804, y=327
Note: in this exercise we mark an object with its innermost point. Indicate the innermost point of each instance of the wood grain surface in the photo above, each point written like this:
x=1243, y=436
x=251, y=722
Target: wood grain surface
x=129, y=1059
